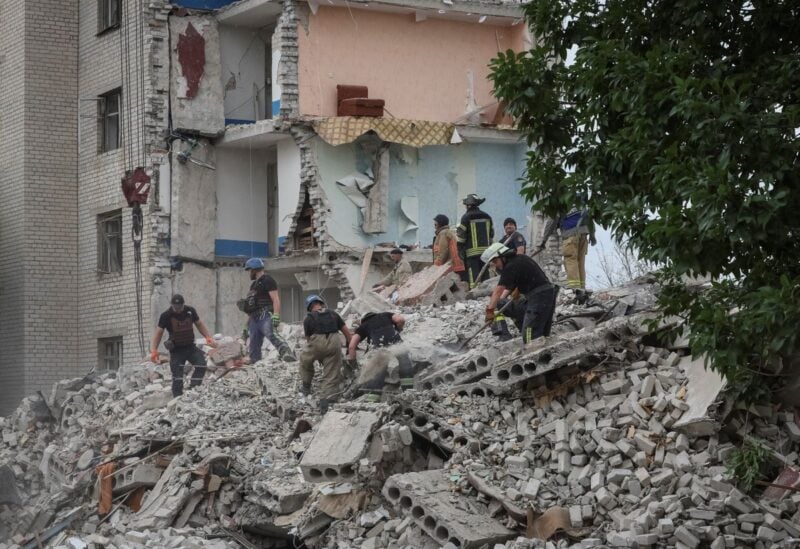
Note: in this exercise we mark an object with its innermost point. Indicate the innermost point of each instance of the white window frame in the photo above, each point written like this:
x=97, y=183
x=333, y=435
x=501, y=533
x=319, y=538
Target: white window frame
x=109, y=242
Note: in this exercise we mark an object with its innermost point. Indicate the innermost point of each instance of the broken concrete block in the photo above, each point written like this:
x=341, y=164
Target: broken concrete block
x=142, y=475
x=426, y=498
x=340, y=441
x=702, y=389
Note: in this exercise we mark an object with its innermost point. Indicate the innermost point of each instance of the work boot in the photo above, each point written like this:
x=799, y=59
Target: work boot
x=500, y=329
x=287, y=355
x=305, y=389
x=581, y=296
x=324, y=404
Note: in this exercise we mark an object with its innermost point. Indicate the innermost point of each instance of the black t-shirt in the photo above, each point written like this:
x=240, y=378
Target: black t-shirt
x=262, y=286
x=180, y=326
x=514, y=240
x=312, y=326
x=522, y=273
x=379, y=327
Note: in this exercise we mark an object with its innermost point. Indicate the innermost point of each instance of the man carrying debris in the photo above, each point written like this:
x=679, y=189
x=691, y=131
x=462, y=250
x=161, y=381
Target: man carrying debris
x=322, y=327
x=399, y=273
x=179, y=321
x=520, y=276
x=445, y=246
x=381, y=330
x=577, y=230
x=475, y=234
x=263, y=306
x=512, y=239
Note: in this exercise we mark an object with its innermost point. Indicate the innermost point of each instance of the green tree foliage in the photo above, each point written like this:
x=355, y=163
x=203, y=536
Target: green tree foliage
x=680, y=118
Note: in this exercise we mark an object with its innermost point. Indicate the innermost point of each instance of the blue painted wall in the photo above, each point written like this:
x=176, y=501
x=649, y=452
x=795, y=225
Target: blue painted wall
x=203, y=4
x=439, y=176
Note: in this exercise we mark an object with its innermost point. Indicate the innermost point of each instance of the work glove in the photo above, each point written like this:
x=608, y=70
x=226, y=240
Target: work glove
x=210, y=342
x=515, y=294
x=276, y=319
x=593, y=240
x=489, y=317
x=351, y=363
x=154, y=357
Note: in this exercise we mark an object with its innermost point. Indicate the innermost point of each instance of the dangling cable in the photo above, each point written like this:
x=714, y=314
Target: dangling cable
x=137, y=227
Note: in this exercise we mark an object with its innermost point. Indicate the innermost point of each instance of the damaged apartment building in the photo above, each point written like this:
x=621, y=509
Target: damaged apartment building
x=314, y=134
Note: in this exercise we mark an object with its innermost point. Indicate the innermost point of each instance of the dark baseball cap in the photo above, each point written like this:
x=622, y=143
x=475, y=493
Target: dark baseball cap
x=397, y=251
x=177, y=299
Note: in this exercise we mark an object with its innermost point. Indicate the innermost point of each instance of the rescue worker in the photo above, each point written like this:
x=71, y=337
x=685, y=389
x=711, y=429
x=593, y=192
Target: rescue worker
x=445, y=246
x=399, y=273
x=577, y=230
x=321, y=327
x=513, y=239
x=381, y=330
x=475, y=234
x=263, y=306
x=533, y=294
x=179, y=321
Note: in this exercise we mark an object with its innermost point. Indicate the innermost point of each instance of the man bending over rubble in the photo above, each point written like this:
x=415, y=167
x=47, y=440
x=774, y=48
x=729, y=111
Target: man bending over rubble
x=381, y=330
x=179, y=320
x=521, y=276
x=321, y=327
x=263, y=306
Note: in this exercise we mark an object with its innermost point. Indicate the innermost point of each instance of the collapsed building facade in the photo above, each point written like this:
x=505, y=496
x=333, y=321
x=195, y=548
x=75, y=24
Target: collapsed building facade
x=240, y=119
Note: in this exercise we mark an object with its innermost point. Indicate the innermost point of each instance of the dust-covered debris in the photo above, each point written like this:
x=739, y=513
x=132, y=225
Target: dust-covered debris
x=594, y=436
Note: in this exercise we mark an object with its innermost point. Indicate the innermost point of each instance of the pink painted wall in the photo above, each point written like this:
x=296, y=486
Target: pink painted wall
x=419, y=69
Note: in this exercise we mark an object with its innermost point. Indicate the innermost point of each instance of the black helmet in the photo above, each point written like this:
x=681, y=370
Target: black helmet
x=473, y=200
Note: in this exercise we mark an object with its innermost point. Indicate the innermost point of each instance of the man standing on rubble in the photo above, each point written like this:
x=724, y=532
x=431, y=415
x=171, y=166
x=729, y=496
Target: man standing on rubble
x=445, y=246
x=577, y=230
x=263, y=306
x=512, y=239
x=474, y=234
x=179, y=321
x=399, y=273
x=381, y=330
x=533, y=294
x=322, y=327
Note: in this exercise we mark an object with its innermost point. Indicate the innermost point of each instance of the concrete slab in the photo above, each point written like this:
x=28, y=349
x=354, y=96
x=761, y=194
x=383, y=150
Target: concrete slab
x=427, y=498
x=8, y=487
x=196, y=93
x=339, y=442
x=702, y=389
x=556, y=352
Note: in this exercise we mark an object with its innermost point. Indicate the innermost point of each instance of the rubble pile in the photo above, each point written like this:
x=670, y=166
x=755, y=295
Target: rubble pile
x=594, y=436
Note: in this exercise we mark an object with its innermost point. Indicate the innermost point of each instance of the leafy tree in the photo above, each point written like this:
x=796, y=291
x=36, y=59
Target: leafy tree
x=680, y=119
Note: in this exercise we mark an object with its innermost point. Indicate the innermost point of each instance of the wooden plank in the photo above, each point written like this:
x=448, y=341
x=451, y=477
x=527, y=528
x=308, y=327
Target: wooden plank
x=365, y=268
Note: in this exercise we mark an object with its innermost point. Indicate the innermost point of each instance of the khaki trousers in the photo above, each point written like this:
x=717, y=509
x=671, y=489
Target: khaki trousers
x=327, y=349
x=574, y=250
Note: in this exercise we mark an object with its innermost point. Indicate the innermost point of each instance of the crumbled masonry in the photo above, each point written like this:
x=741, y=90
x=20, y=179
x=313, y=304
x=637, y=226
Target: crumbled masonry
x=592, y=437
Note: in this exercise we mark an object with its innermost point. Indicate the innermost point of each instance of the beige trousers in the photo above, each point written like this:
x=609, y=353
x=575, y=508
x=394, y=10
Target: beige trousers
x=327, y=349
x=574, y=250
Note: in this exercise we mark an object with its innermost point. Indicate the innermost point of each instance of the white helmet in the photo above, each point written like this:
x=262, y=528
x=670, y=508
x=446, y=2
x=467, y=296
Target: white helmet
x=495, y=250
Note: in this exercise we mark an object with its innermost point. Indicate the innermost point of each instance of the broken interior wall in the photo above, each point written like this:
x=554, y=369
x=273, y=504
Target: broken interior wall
x=243, y=58
x=285, y=52
x=242, y=206
x=196, y=90
x=428, y=70
x=438, y=177
x=289, y=168
x=194, y=204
